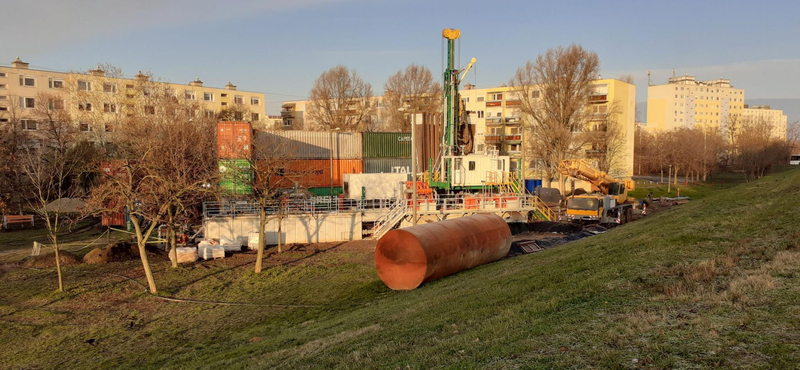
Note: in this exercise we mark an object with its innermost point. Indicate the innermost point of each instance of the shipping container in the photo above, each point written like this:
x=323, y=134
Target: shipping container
x=235, y=176
x=387, y=145
x=234, y=139
x=326, y=191
x=314, y=144
x=387, y=165
x=113, y=219
x=313, y=173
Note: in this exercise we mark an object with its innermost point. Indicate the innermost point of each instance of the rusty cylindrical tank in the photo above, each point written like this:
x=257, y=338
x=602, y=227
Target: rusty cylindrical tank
x=406, y=258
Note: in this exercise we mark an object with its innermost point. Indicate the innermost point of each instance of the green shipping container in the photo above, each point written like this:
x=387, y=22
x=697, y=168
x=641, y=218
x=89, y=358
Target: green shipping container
x=323, y=192
x=235, y=176
x=387, y=145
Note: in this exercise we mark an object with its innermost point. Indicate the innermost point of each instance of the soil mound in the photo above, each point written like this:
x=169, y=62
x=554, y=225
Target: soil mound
x=111, y=253
x=48, y=260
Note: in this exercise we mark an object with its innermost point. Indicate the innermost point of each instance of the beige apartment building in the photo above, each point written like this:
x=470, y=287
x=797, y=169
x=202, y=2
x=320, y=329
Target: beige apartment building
x=686, y=102
x=765, y=114
x=80, y=94
x=498, y=123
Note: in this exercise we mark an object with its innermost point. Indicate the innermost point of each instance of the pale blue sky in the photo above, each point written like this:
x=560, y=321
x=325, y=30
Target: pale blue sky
x=280, y=47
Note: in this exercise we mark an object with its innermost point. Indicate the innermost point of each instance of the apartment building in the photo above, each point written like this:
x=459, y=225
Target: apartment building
x=765, y=114
x=686, y=102
x=23, y=88
x=495, y=112
x=498, y=123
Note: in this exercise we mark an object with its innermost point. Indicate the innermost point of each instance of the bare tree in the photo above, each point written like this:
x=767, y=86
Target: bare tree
x=626, y=79
x=52, y=168
x=158, y=161
x=554, y=92
x=608, y=138
x=340, y=99
x=13, y=139
x=413, y=88
x=757, y=149
x=269, y=173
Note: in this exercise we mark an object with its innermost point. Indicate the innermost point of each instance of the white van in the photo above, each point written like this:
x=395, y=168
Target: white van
x=795, y=159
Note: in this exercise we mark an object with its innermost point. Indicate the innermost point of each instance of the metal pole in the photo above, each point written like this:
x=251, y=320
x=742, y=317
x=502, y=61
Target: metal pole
x=331, y=151
x=414, y=167
x=669, y=180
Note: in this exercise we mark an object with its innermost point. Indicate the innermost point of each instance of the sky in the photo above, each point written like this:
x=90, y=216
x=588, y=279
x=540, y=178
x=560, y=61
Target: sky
x=281, y=47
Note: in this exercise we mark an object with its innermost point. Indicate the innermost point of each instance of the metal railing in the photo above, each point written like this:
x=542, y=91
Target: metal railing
x=489, y=202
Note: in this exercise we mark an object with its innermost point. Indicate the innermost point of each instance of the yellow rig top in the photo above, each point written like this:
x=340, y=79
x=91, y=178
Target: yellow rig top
x=451, y=33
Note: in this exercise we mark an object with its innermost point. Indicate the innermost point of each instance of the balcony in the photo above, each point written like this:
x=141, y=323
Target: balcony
x=494, y=121
x=287, y=113
x=513, y=138
x=493, y=138
x=493, y=103
x=513, y=103
x=598, y=98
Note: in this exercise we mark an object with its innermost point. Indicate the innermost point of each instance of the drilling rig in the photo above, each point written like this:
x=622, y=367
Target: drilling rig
x=458, y=168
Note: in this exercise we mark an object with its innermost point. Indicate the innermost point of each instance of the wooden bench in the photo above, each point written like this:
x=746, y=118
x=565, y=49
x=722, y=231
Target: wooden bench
x=17, y=220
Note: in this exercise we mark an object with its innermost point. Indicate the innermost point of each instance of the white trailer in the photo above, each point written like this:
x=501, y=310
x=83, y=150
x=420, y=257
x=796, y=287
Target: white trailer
x=374, y=185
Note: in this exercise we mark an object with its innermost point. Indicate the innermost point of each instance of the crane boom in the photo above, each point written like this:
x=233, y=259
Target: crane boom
x=579, y=169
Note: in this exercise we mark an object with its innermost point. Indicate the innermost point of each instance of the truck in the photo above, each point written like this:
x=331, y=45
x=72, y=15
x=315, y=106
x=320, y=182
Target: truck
x=608, y=203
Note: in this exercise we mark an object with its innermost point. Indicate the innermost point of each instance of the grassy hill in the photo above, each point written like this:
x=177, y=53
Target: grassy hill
x=710, y=283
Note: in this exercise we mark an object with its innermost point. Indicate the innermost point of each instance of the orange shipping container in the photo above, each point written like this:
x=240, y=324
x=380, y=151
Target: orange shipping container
x=313, y=173
x=234, y=139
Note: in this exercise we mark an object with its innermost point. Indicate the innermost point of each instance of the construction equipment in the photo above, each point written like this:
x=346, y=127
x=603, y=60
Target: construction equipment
x=607, y=204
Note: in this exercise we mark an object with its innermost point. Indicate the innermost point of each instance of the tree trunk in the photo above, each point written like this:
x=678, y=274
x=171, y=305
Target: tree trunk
x=280, y=221
x=173, y=252
x=262, y=223
x=141, y=242
x=58, y=263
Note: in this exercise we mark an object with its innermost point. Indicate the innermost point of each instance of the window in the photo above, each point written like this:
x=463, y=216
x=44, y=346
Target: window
x=189, y=95
x=129, y=86
x=480, y=148
x=84, y=85
x=496, y=96
x=3, y=97
x=238, y=99
x=108, y=127
x=110, y=108
x=499, y=114
x=2, y=86
x=287, y=122
x=208, y=96
x=480, y=114
x=85, y=107
x=2, y=74
x=256, y=117
x=256, y=101
x=471, y=165
x=4, y=120
x=3, y=109
x=55, y=104
x=480, y=99
x=511, y=148
x=85, y=127
x=238, y=116
x=209, y=113
x=223, y=104
x=224, y=95
x=55, y=83
x=28, y=124
x=27, y=103
x=28, y=81
x=149, y=109
x=109, y=88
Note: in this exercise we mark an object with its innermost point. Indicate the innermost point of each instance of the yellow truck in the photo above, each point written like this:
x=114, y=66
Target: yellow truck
x=607, y=204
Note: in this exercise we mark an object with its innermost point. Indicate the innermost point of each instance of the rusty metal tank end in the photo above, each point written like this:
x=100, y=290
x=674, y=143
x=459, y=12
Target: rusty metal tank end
x=406, y=258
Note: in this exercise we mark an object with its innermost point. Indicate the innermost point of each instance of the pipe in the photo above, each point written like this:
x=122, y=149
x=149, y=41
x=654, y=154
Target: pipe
x=406, y=258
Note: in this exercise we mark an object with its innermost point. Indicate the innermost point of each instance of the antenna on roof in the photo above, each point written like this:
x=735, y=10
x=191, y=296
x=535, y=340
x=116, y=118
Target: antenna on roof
x=649, y=81
x=673, y=71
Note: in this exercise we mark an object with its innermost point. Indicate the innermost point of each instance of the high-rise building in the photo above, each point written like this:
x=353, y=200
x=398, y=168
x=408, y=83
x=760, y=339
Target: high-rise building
x=686, y=102
x=764, y=114
x=21, y=89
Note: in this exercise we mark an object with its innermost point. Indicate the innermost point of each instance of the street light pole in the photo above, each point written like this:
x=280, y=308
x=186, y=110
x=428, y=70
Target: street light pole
x=414, y=167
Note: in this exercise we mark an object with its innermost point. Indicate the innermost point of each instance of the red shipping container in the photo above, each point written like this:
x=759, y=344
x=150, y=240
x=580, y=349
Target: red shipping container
x=114, y=219
x=234, y=140
x=314, y=173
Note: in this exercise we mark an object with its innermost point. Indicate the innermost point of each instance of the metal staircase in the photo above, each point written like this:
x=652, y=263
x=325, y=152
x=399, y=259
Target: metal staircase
x=541, y=211
x=389, y=220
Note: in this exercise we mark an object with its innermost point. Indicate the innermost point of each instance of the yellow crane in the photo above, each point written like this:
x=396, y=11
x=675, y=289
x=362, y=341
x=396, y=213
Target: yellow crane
x=607, y=204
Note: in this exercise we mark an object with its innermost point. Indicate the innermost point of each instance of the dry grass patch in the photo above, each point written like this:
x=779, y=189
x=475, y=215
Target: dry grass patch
x=317, y=345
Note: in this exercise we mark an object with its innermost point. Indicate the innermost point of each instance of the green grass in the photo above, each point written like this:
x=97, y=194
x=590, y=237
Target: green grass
x=715, y=282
